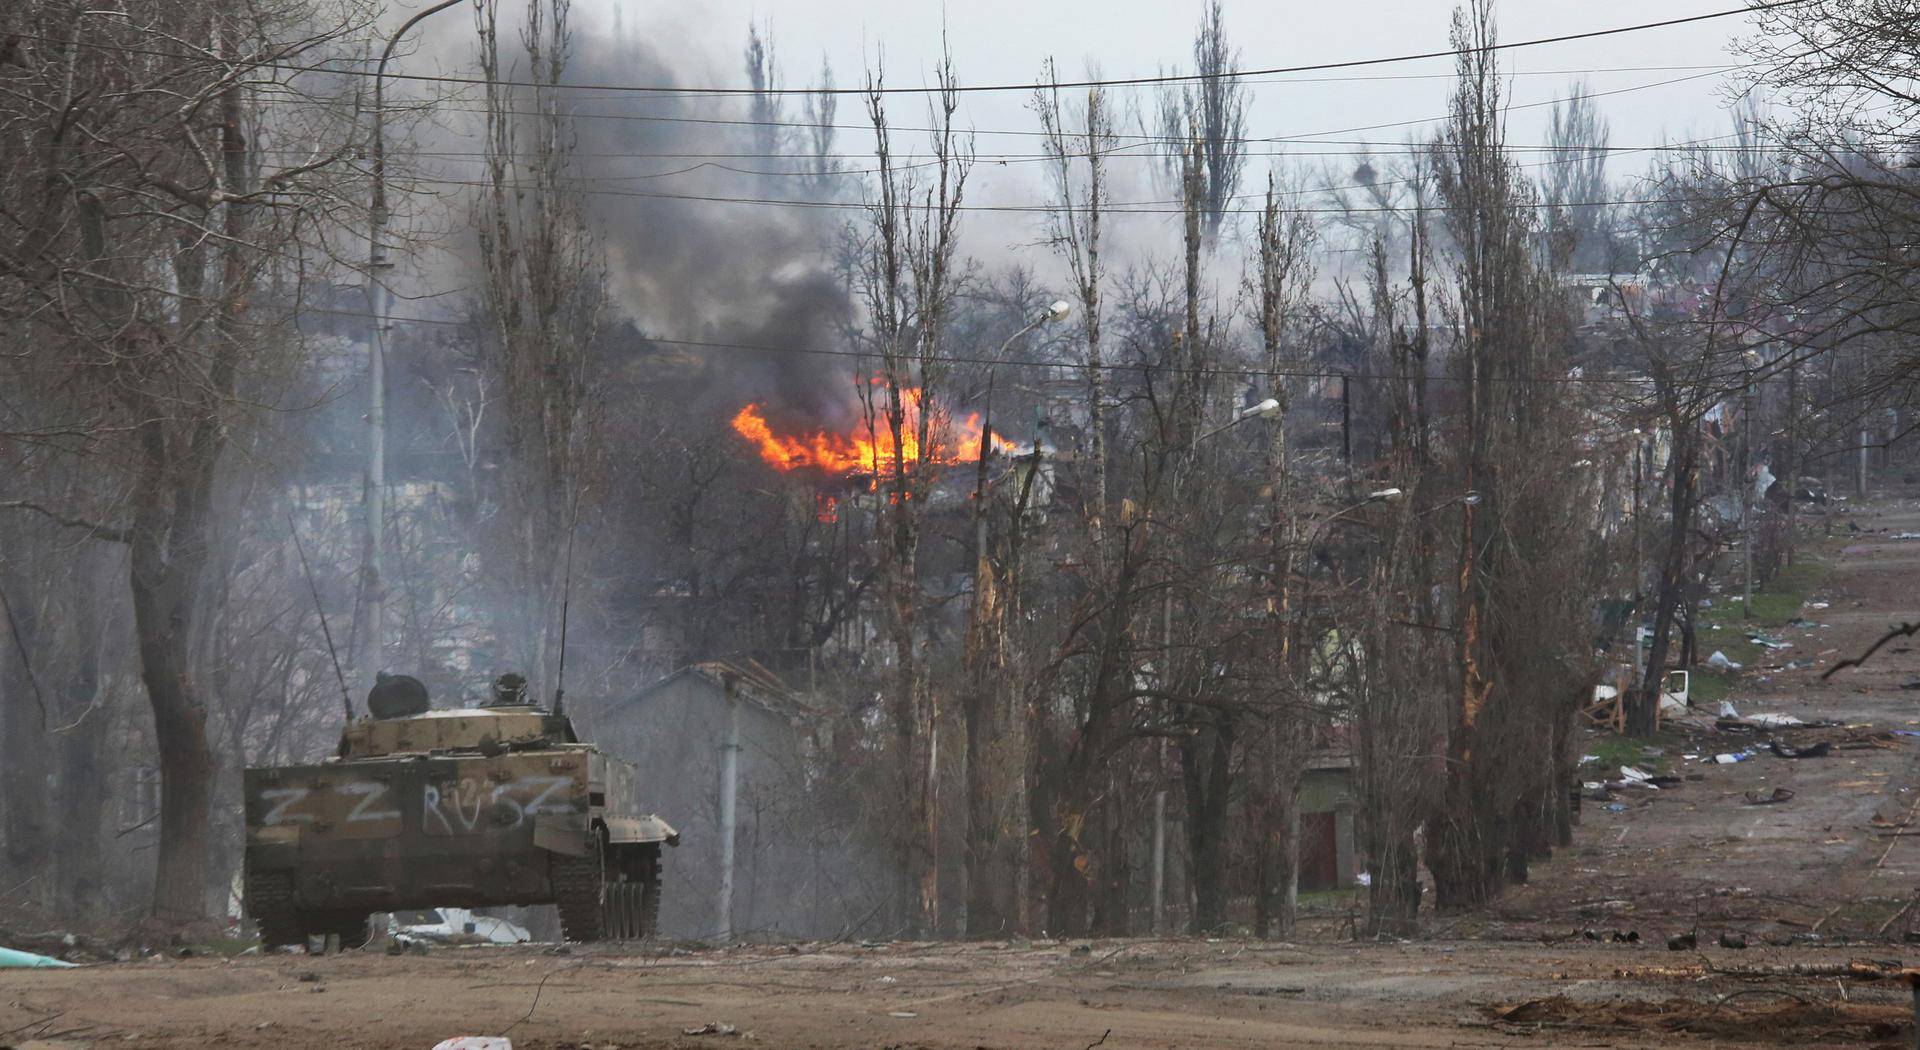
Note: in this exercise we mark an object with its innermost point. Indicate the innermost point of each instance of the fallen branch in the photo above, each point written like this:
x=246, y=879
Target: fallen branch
x=1863, y=971
x=1895, y=917
x=1905, y=630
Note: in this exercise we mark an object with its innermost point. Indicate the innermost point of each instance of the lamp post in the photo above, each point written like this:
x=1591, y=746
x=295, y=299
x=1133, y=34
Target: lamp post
x=1265, y=409
x=377, y=304
x=1058, y=310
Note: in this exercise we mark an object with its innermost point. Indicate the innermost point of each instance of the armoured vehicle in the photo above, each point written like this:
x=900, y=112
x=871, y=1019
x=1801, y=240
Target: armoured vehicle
x=463, y=808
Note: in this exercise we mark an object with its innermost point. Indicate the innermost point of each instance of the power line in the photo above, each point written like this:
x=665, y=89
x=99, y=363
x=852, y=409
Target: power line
x=1249, y=372
x=1119, y=208
x=1160, y=80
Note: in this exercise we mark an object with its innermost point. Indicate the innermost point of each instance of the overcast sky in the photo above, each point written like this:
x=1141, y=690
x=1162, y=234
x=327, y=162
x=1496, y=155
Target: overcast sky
x=999, y=41
x=1662, y=85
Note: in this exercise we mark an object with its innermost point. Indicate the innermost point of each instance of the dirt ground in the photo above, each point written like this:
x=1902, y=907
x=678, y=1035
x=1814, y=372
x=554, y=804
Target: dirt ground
x=1827, y=877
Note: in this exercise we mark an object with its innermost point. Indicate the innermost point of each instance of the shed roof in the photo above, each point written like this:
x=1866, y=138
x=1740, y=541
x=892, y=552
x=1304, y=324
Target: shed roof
x=750, y=682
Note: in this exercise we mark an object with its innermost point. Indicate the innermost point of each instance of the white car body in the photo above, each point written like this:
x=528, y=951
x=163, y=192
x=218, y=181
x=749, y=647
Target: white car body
x=456, y=926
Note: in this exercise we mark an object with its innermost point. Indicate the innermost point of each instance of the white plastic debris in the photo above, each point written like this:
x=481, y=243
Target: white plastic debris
x=475, y=1042
x=1635, y=774
x=1775, y=720
x=1817, y=605
x=1720, y=662
x=1727, y=711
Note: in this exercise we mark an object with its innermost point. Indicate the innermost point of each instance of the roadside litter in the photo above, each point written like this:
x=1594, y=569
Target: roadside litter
x=1683, y=942
x=1771, y=643
x=13, y=959
x=1719, y=662
x=1732, y=757
x=710, y=1028
x=1820, y=750
x=1755, y=798
x=475, y=1042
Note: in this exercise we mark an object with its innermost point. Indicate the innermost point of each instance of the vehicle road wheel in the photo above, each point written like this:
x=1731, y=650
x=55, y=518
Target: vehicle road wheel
x=580, y=887
x=270, y=902
x=650, y=906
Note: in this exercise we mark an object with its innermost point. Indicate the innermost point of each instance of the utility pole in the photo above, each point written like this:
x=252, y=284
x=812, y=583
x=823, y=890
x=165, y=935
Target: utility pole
x=1860, y=472
x=378, y=302
x=1746, y=496
x=729, y=798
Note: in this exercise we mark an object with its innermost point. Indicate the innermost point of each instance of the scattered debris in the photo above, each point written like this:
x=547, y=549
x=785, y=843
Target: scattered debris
x=475, y=1042
x=1719, y=662
x=12, y=959
x=1730, y=939
x=1683, y=942
x=1819, y=750
x=710, y=1028
x=901, y=1013
x=1779, y=794
x=1770, y=643
x=1788, y=1019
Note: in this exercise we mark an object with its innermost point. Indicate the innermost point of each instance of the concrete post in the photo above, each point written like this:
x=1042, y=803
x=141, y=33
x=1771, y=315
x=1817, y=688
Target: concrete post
x=1160, y=861
x=729, y=796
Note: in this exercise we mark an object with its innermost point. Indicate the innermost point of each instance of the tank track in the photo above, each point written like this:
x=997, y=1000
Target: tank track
x=650, y=905
x=578, y=885
x=270, y=903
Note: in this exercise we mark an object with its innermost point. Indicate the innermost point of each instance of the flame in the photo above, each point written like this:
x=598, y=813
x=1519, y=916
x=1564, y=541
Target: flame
x=864, y=450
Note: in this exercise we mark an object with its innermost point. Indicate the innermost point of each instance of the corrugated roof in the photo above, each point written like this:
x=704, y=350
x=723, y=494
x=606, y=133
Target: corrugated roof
x=749, y=681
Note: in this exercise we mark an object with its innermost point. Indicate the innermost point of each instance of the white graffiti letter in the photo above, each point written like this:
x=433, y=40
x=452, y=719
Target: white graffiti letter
x=284, y=798
x=430, y=807
x=370, y=790
x=540, y=801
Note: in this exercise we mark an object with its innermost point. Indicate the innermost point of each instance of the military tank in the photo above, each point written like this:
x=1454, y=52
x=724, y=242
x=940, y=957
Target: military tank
x=469, y=807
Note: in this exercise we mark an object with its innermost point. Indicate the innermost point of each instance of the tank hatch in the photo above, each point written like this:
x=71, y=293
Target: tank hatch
x=488, y=730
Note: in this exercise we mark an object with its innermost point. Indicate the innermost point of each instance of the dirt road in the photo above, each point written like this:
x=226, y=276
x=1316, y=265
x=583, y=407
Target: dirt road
x=1135, y=994
x=1842, y=858
x=1826, y=877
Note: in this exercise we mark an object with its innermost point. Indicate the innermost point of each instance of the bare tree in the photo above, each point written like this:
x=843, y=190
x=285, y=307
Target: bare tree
x=1208, y=118
x=544, y=295
x=908, y=287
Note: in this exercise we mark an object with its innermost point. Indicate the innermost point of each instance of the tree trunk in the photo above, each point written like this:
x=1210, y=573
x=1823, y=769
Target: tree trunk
x=179, y=724
x=1644, y=703
x=1206, y=765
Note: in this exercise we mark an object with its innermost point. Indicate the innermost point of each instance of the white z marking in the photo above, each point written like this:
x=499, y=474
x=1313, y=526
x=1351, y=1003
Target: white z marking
x=540, y=801
x=284, y=798
x=371, y=790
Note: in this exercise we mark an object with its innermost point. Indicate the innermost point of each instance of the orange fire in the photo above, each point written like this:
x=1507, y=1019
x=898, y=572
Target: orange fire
x=863, y=449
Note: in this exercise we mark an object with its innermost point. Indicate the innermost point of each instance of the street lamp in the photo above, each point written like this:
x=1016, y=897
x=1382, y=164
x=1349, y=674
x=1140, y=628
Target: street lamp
x=1055, y=311
x=377, y=303
x=1264, y=410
